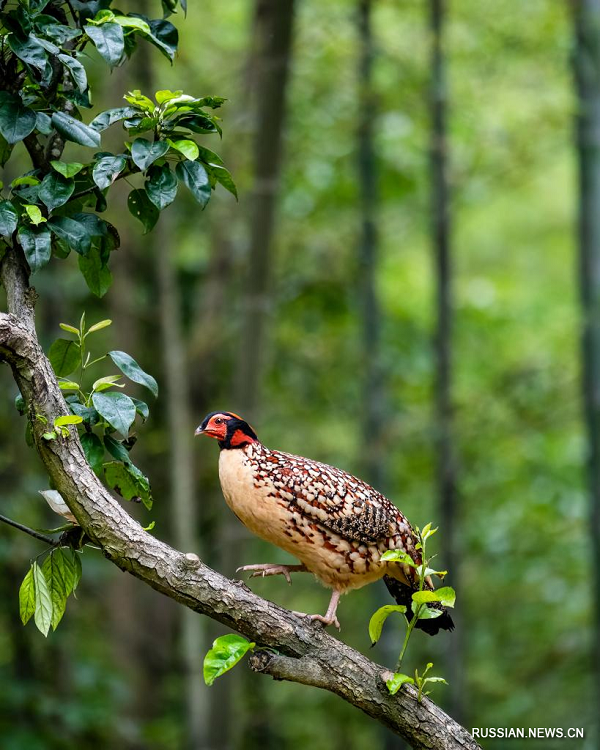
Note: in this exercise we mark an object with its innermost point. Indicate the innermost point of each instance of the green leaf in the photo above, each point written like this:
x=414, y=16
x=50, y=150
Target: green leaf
x=73, y=232
x=5, y=150
x=76, y=70
x=95, y=272
x=64, y=356
x=142, y=408
x=99, y=326
x=55, y=190
x=436, y=679
x=68, y=568
x=395, y=683
x=117, y=409
x=164, y=96
x=128, y=481
x=76, y=569
x=110, y=116
x=43, y=601
x=377, y=620
x=75, y=130
x=108, y=40
x=54, y=573
x=103, y=384
x=132, y=22
x=68, y=419
x=161, y=186
x=8, y=218
x=139, y=100
x=426, y=613
x=396, y=555
x=133, y=371
x=145, y=153
x=94, y=450
x=446, y=595
x=224, y=178
x=422, y=597
x=225, y=653
x=16, y=120
x=195, y=178
x=35, y=215
x=70, y=329
x=107, y=169
x=188, y=148
x=143, y=209
x=27, y=597
x=37, y=246
x=67, y=170
x=68, y=385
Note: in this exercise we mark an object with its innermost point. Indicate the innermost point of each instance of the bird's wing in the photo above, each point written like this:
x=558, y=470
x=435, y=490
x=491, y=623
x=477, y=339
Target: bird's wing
x=337, y=500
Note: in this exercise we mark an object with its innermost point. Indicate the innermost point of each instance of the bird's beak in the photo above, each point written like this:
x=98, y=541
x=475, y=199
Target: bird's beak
x=199, y=431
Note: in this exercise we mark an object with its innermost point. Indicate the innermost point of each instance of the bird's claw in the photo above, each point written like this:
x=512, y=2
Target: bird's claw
x=320, y=618
x=267, y=569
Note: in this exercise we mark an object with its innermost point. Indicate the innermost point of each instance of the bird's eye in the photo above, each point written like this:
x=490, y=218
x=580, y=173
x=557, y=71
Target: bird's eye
x=218, y=420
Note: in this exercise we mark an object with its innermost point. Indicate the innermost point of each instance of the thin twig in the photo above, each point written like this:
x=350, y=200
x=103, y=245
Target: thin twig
x=27, y=530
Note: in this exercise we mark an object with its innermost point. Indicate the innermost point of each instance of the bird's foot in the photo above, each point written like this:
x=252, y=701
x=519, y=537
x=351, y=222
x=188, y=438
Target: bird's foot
x=327, y=621
x=271, y=569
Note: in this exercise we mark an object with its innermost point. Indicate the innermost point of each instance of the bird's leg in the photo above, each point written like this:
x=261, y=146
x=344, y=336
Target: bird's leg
x=329, y=617
x=272, y=569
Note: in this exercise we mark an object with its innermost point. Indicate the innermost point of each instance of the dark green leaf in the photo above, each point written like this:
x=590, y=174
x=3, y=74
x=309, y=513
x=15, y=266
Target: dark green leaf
x=133, y=371
x=75, y=130
x=109, y=41
x=5, y=150
x=16, y=120
x=96, y=273
x=60, y=33
x=43, y=601
x=55, y=190
x=377, y=620
x=161, y=186
x=36, y=244
x=145, y=153
x=54, y=573
x=73, y=232
x=30, y=51
x=164, y=36
x=225, y=653
x=116, y=408
x=224, y=178
x=43, y=123
x=64, y=356
x=94, y=450
x=110, y=116
x=107, y=170
x=142, y=208
x=197, y=123
x=8, y=218
x=76, y=70
x=194, y=177
x=128, y=481
x=116, y=449
x=87, y=413
x=27, y=597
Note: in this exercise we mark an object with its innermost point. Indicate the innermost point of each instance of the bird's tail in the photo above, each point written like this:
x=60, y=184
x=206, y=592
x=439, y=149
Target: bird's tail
x=403, y=595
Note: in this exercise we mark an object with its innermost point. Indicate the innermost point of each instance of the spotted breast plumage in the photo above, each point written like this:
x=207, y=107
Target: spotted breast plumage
x=335, y=524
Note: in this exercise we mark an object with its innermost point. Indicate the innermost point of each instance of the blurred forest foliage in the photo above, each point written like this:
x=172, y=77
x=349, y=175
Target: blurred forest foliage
x=124, y=668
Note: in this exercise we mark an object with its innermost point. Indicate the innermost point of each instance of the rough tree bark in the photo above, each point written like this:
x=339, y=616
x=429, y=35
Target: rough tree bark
x=441, y=246
x=305, y=652
x=587, y=75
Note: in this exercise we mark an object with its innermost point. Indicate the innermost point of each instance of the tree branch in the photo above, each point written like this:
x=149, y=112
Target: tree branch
x=305, y=652
x=32, y=532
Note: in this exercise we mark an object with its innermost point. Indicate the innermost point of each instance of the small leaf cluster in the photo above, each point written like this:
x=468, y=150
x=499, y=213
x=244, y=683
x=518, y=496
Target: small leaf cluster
x=45, y=589
x=53, y=208
x=103, y=414
x=226, y=652
x=420, y=609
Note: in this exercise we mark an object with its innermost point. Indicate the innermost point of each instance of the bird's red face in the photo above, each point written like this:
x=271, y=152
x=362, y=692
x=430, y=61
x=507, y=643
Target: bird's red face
x=228, y=428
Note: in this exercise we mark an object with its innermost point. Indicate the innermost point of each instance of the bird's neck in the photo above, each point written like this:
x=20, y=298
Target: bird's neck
x=238, y=439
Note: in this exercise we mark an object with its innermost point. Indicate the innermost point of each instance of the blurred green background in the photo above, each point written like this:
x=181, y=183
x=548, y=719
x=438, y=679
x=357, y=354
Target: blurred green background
x=123, y=670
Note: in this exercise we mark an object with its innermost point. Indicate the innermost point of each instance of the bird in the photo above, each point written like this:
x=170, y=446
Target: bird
x=336, y=525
